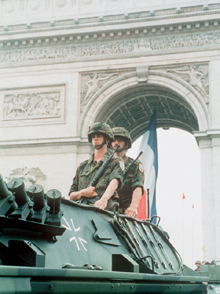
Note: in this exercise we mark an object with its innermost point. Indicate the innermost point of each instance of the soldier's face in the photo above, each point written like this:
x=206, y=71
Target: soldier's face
x=118, y=141
x=97, y=139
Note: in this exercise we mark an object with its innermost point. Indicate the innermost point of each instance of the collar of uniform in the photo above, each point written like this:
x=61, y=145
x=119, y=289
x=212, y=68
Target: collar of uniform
x=125, y=158
x=108, y=153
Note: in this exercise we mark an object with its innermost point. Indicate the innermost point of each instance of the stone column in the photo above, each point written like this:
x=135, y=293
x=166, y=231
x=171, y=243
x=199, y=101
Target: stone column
x=216, y=190
x=211, y=167
x=210, y=177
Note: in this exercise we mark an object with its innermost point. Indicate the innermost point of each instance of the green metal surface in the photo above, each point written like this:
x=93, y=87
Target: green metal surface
x=77, y=248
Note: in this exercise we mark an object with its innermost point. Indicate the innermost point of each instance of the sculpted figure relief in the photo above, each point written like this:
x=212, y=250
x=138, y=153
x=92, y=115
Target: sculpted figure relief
x=194, y=77
x=32, y=105
x=30, y=176
x=92, y=85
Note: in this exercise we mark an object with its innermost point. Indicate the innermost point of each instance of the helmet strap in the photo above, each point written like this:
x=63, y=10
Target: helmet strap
x=123, y=148
x=98, y=147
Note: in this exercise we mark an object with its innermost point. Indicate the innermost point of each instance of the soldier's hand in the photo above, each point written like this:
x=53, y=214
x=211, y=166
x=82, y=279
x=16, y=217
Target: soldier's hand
x=101, y=203
x=116, y=195
x=89, y=192
x=131, y=211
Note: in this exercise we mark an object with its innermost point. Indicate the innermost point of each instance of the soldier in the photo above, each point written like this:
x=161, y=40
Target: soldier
x=132, y=189
x=197, y=263
x=100, y=135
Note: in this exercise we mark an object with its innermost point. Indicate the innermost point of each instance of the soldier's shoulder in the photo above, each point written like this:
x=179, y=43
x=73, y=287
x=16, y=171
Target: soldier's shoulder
x=118, y=158
x=83, y=163
x=130, y=159
x=137, y=165
x=140, y=166
x=139, y=162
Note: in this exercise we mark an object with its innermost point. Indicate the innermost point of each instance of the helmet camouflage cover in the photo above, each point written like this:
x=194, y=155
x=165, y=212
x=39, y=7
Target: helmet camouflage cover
x=198, y=262
x=122, y=132
x=100, y=127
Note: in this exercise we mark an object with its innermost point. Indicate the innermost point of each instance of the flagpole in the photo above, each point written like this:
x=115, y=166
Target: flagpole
x=183, y=230
x=192, y=234
x=183, y=198
x=148, y=204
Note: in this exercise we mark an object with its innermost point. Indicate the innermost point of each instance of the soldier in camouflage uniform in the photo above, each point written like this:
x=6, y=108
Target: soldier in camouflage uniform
x=100, y=135
x=132, y=189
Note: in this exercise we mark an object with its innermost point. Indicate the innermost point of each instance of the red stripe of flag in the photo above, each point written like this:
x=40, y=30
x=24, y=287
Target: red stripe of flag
x=142, y=207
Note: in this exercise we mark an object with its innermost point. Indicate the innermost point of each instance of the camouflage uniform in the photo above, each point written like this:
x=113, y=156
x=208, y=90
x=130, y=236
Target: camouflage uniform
x=88, y=169
x=135, y=176
x=133, y=179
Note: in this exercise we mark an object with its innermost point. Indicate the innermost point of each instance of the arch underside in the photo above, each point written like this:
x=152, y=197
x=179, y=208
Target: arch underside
x=133, y=107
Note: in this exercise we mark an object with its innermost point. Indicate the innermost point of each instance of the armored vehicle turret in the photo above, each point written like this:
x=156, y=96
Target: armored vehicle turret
x=49, y=244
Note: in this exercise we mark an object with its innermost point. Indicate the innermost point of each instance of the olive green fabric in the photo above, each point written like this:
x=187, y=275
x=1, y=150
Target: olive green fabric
x=100, y=127
x=133, y=179
x=87, y=170
x=122, y=132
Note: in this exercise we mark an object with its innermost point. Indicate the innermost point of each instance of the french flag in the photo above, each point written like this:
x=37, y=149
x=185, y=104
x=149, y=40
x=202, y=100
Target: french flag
x=149, y=159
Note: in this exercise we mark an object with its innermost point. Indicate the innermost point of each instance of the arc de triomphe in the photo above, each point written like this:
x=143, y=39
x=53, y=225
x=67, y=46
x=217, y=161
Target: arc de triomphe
x=67, y=63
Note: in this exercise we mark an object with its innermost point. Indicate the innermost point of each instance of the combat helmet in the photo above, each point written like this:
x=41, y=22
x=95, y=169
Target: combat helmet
x=122, y=132
x=198, y=262
x=100, y=127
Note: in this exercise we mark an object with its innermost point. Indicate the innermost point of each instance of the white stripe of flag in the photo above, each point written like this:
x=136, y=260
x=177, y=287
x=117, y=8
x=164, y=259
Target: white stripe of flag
x=149, y=159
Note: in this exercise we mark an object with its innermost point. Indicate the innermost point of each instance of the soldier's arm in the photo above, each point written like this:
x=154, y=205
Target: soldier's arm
x=88, y=192
x=75, y=194
x=138, y=189
x=103, y=201
x=136, y=197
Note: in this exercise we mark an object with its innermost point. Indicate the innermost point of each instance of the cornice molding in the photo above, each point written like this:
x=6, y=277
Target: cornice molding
x=148, y=18
x=124, y=13
x=116, y=48
x=208, y=139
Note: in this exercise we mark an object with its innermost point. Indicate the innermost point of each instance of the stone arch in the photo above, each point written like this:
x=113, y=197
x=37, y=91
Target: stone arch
x=119, y=91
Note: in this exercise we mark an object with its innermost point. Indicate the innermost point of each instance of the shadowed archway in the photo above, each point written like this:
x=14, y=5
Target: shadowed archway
x=133, y=107
x=129, y=103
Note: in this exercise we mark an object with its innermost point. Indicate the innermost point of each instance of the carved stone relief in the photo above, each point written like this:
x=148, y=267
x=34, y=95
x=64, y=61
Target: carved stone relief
x=91, y=83
x=35, y=103
x=145, y=46
x=30, y=176
x=196, y=75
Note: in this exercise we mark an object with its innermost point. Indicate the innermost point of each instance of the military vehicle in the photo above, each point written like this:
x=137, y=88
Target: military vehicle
x=49, y=244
